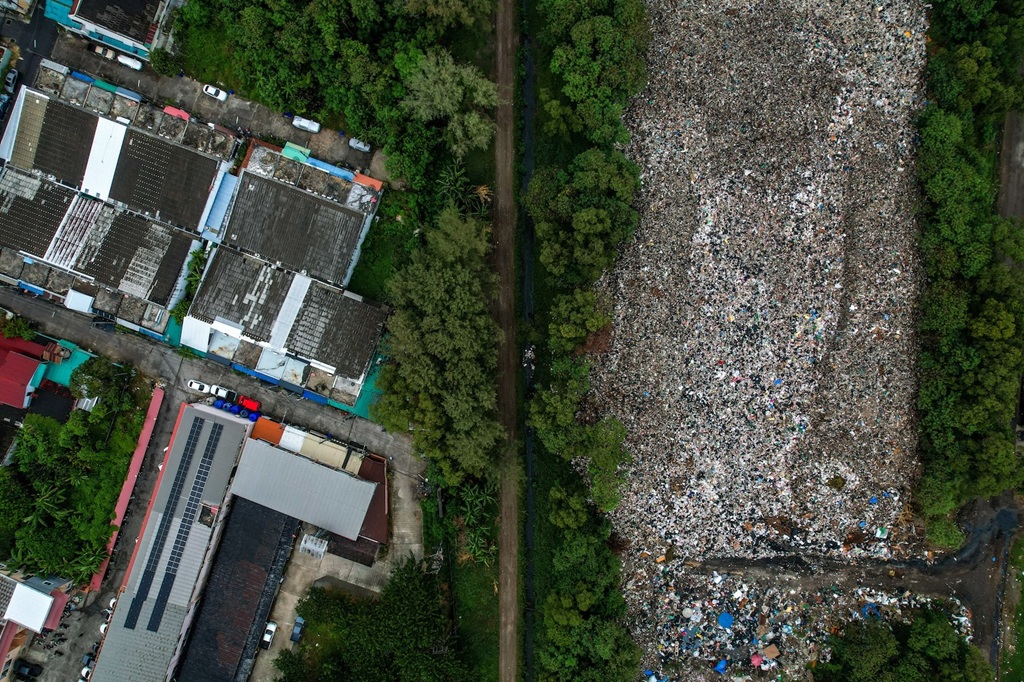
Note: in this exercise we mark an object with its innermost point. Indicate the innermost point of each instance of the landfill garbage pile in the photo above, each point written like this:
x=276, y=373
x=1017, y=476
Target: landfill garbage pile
x=764, y=352
x=764, y=347
x=742, y=626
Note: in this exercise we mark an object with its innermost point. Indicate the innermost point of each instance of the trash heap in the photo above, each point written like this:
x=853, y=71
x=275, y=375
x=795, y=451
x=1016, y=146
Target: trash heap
x=764, y=353
x=745, y=625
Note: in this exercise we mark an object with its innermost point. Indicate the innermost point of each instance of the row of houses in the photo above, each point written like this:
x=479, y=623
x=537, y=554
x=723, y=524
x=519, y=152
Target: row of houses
x=104, y=200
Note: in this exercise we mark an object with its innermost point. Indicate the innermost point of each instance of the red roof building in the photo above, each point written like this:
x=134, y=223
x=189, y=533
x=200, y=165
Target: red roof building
x=16, y=378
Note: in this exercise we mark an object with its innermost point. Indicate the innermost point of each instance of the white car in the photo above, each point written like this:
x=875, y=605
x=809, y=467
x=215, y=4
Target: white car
x=198, y=386
x=215, y=93
x=359, y=145
x=306, y=124
x=86, y=673
x=268, y=634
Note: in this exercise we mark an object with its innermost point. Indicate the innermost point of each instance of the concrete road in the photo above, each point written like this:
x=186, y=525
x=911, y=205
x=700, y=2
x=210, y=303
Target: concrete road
x=328, y=145
x=34, y=37
x=164, y=363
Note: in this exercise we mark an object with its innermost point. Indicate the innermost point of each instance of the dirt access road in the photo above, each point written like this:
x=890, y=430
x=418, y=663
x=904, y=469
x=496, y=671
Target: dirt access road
x=1011, y=172
x=508, y=357
x=976, y=574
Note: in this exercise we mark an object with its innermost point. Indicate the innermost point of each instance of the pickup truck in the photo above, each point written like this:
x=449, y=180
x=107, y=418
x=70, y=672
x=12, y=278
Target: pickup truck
x=223, y=393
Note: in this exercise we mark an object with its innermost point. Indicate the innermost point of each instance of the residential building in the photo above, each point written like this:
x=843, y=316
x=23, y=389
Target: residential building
x=29, y=604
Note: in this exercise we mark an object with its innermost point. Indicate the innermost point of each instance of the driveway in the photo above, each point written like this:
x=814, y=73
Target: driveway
x=328, y=145
x=35, y=37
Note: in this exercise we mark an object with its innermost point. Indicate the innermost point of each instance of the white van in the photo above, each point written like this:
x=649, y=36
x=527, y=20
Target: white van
x=305, y=124
x=130, y=62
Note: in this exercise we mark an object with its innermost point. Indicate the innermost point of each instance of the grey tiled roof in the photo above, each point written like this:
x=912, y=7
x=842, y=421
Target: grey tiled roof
x=338, y=330
x=244, y=290
x=31, y=210
x=54, y=138
x=303, y=232
x=139, y=257
x=162, y=179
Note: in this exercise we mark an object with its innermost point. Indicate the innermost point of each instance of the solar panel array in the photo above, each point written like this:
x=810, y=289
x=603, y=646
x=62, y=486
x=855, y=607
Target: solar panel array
x=164, y=529
x=195, y=497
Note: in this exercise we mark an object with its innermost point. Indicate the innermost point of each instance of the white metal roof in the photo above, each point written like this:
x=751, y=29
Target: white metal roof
x=28, y=607
x=106, y=150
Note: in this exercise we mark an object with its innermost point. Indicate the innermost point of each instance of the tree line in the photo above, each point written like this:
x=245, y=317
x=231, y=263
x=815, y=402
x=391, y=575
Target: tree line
x=590, y=58
x=925, y=649
x=386, y=69
x=972, y=311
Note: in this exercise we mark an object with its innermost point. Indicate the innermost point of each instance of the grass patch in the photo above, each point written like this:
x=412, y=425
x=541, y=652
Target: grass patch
x=476, y=46
x=388, y=245
x=477, y=617
x=480, y=166
x=208, y=56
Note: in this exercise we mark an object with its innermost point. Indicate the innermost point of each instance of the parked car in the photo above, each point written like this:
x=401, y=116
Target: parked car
x=5, y=104
x=306, y=124
x=198, y=386
x=248, y=403
x=86, y=673
x=26, y=670
x=268, y=635
x=300, y=623
x=103, y=324
x=215, y=92
x=104, y=51
x=10, y=80
x=224, y=393
x=359, y=145
x=130, y=62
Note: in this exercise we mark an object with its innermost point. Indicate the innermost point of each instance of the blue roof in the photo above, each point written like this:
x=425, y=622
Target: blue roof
x=221, y=203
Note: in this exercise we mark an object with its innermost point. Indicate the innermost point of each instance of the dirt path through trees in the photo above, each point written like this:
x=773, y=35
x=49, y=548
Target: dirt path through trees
x=504, y=252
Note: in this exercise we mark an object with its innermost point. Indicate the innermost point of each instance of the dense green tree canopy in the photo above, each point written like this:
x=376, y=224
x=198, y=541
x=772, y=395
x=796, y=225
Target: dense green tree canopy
x=57, y=499
x=443, y=341
x=583, y=213
x=926, y=650
x=972, y=317
x=405, y=636
x=367, y=63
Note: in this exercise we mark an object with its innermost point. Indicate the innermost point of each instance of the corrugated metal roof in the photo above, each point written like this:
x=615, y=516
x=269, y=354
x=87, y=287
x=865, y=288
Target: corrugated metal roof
x=301, y=488
x=245, y=577
x=222, y=201
x=146, y=625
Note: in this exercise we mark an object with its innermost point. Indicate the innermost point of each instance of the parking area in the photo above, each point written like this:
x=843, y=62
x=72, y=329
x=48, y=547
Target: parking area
x=236, y=113
x=304, y=571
